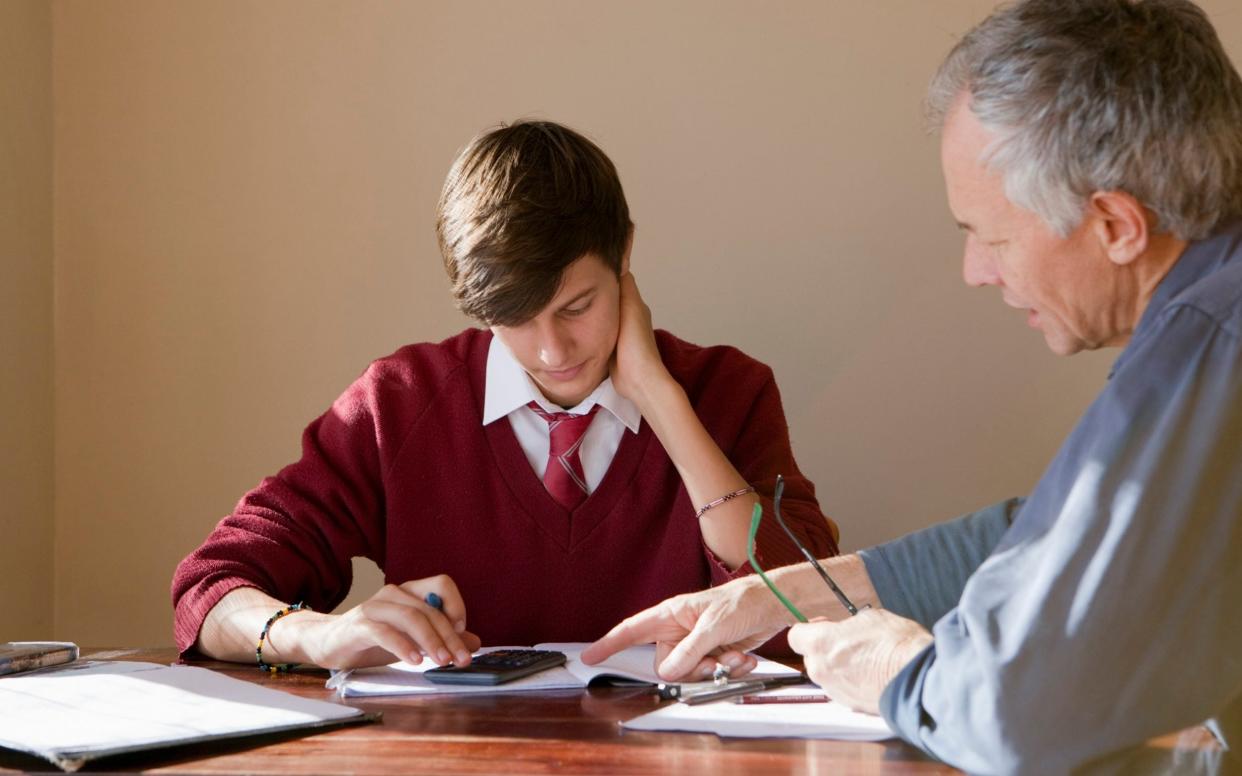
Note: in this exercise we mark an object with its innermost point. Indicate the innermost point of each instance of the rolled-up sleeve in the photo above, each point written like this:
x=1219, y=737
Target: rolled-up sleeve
x=921, y=575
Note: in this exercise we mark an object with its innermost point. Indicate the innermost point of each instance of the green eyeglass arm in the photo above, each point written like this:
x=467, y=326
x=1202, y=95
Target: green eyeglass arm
x=755, y=517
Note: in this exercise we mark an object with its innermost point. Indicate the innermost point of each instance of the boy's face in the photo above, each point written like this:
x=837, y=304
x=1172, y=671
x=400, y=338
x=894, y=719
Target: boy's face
x=566, y=348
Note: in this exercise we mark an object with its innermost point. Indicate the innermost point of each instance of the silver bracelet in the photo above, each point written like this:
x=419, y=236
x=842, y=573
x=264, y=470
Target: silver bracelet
x=726, y=497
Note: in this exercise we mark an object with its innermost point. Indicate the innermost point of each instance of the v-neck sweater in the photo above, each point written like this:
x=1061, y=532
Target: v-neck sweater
x=401, y=470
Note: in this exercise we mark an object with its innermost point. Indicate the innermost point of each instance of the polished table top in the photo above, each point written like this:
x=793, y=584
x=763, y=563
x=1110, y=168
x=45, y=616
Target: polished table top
x=520, y=733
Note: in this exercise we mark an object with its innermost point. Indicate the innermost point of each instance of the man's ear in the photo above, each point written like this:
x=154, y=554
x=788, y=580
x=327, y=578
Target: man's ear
x=625, y=257
x=1122, y=225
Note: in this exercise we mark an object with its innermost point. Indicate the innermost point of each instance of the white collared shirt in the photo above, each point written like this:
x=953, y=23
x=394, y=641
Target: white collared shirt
x=507, y=391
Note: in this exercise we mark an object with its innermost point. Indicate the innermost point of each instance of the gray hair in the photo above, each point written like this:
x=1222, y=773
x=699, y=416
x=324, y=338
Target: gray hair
x=1104, y=95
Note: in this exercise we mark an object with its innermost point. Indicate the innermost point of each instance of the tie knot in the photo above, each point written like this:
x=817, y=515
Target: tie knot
x=563, y=476
x=565, y=429
x=554, y=417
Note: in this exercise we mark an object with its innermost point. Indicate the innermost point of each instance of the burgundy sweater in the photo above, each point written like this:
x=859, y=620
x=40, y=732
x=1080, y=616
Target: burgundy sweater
x=402, y=471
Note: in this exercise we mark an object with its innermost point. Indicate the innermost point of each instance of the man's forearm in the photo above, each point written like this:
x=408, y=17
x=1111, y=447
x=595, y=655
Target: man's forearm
x=801, y=584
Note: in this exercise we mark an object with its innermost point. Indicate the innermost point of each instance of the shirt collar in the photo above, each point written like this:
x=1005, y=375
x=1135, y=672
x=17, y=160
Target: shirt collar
x=1199, y=259
x=507, y=387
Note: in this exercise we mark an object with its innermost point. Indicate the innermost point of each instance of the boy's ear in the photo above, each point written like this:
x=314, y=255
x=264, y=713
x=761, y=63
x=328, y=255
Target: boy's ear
x=625, y=257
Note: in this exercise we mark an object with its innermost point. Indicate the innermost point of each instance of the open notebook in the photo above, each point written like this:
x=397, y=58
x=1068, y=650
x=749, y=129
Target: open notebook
x=636, y=664
x=725, y=718
x=90, y=709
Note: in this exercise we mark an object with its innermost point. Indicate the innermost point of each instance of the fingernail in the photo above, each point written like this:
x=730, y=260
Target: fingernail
x=462, y=657
x=443, y=656
x=706, y=672
x=734, y=661
x=460, y=626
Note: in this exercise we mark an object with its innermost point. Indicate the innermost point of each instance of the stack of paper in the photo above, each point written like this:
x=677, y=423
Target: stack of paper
x=88, y=710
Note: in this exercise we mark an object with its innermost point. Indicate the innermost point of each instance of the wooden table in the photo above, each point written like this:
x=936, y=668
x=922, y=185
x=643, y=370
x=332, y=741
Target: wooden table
x=561, y=732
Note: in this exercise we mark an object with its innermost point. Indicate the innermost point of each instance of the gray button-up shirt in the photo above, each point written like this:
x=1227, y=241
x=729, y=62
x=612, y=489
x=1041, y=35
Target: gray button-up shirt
x=1107, y=608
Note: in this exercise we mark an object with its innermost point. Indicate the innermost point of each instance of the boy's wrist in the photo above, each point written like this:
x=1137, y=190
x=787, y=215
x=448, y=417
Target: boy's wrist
x=656, y=392
x=287, y=637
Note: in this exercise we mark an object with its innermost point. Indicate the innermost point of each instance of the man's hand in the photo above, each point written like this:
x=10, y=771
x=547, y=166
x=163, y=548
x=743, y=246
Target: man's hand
x=394, y=624
x=855, y=659
x=695, y=631
x=636, y=362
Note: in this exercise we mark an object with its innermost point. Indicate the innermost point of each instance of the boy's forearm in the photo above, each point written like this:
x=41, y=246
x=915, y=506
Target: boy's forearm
x=705, y=470
x=231, y=629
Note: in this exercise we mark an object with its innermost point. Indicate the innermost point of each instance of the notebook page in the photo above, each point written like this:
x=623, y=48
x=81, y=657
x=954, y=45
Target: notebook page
x=638, y=663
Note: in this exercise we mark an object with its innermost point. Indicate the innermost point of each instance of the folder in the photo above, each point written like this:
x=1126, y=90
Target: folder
x=92, y=709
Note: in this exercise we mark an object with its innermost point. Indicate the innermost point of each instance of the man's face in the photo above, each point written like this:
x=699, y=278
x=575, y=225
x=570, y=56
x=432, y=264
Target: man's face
x=1067, y=285
x=567, y=346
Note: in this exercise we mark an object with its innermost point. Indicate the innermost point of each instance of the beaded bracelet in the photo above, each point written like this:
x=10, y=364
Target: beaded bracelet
x=258, y=650
x=726, y=497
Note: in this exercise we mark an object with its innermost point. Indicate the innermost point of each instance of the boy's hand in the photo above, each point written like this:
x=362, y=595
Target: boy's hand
x=636, y=364
x=396, y=623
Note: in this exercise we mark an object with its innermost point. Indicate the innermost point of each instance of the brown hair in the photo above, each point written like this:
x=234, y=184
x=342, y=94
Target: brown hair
x=520, y=204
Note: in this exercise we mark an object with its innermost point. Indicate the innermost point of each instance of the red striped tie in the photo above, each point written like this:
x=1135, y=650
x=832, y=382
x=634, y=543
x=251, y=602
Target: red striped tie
x=563, y=476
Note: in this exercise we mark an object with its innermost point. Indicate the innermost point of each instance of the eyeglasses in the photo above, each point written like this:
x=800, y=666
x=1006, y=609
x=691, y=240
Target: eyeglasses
x=755, y=517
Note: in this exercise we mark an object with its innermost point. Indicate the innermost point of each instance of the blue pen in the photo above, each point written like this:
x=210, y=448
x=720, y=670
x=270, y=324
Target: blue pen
x=434, y=601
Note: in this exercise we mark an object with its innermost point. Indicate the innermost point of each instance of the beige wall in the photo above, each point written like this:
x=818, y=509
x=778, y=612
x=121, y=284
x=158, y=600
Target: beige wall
x=26, y=320
x=243, y=200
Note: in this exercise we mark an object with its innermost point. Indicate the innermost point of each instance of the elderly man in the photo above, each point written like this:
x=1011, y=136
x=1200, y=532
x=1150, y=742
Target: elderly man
x=1092, y=155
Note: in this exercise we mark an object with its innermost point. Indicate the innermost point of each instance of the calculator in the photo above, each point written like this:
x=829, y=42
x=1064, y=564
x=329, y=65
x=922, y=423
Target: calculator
x=503, y=665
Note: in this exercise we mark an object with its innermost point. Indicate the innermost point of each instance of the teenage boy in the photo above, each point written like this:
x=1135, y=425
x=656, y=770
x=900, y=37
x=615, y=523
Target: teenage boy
x=559, y=470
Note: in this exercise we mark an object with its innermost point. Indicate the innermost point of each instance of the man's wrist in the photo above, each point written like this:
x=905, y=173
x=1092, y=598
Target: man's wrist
x=771, y=613
x=809, y=593
x=908, y=649
x=794, y=583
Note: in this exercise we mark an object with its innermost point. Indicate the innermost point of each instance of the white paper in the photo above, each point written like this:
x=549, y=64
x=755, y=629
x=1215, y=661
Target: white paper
x=766, y=720
x=635, y=663
x=95, y=708
x=638, y=664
